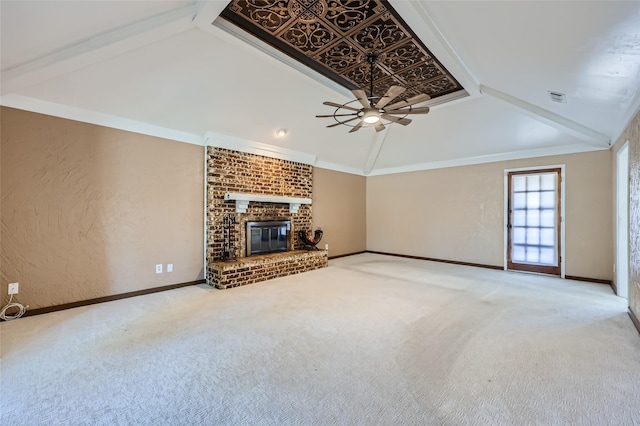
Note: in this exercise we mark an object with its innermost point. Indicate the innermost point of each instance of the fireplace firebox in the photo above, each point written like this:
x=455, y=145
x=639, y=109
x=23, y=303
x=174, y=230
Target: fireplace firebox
x=268, y=237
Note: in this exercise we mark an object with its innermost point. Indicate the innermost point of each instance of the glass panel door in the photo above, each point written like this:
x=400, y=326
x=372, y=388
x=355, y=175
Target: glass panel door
x=534, y=221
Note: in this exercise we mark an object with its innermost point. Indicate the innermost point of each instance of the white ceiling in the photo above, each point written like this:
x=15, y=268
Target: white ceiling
x=161, y=68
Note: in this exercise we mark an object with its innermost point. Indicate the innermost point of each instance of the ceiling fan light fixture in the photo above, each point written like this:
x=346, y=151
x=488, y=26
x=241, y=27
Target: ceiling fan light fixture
x=376, y=112
x=371, y=117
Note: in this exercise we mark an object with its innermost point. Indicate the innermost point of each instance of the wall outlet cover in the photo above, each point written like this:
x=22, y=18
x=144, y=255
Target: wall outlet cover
x=159, y=268
x=13, y=288
x=169, y=267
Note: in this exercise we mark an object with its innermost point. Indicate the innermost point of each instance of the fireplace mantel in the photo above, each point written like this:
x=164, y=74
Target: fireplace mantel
x=242, y=200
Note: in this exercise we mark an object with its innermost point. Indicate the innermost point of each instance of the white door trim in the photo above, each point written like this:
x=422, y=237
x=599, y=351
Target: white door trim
x=621, y=268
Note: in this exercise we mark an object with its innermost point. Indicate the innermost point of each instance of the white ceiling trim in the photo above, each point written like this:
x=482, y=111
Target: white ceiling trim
x=208, y=11
x=339, y=168
x=437, y=43
x=376, y=147
x=507, y=156
x=96, y=49
x=98, y=118
x=257, y=148
x=582, y=132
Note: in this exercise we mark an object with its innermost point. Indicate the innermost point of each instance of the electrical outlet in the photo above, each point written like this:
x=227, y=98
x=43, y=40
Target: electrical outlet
x=326, y=246
x=13, y=288
x=159, y=268
x=169, y=267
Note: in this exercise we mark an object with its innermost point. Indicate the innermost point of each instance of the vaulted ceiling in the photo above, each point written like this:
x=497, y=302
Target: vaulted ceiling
x=177, y=69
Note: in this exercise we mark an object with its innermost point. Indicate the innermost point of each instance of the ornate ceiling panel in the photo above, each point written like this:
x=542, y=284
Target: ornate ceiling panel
x=334, y=38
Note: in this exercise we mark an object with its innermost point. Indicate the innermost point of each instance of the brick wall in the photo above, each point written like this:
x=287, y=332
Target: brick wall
x=233, y=171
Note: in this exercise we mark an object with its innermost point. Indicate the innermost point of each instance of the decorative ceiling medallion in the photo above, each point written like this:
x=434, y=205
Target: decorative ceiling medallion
x=334, y=38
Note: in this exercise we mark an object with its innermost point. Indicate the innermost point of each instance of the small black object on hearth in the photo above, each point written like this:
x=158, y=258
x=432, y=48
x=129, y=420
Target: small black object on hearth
x=310, y=243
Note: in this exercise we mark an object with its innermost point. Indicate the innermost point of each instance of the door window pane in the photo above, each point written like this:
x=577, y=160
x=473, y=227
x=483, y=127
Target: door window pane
x=520, y=201
x=519, y=235
x=533, y=254
x=547, y=256
x=548, y=199
x=547, y=237
x=518, y=254
x=533, y=183
x=548, y=182
x=533, y=200
x=533, y=217
x=534, y=220
x=548, y=218
x=519, y=183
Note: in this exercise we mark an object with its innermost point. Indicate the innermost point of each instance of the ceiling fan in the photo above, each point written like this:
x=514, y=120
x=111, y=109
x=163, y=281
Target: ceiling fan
x=375, y=114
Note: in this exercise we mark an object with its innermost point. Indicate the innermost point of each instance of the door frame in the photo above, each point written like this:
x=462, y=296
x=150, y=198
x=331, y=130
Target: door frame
x=563, y=245
x=622, y=229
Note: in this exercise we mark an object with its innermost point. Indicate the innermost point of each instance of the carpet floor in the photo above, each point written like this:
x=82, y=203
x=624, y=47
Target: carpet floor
x=370, y=340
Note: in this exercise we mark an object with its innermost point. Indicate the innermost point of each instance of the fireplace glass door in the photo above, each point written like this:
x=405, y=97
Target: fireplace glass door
x=267, y=237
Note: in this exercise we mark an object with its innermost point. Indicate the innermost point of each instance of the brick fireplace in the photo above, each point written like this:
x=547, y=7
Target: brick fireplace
x=233, y=172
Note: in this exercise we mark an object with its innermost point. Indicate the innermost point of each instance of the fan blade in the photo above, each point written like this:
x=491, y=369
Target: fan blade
x=362, y=97
x=389, y=96
x=399, y=120
x=356, y=127
x=379, y=127
x=333, y=104
x=422, y=110
x=343, y=122
x=414, y=100
x=336, y=115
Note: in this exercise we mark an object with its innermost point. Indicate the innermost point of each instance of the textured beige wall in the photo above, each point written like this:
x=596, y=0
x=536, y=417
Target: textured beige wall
x=339, y=208
x=88, y=211
x=632, y=134
x=458, y=213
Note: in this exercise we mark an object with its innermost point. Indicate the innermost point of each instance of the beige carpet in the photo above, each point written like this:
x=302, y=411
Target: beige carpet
x=370, y=340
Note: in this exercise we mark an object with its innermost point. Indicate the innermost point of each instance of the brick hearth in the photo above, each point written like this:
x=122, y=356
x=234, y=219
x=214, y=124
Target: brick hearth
x=250, y=270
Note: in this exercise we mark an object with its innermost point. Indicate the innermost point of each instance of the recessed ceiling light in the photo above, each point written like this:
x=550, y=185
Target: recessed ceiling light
x=281, y=133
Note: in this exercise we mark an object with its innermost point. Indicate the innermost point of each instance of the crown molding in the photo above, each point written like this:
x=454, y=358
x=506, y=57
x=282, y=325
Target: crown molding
x=97, y=118
x=339, y=168
x=507, y=156
x=258, y=148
